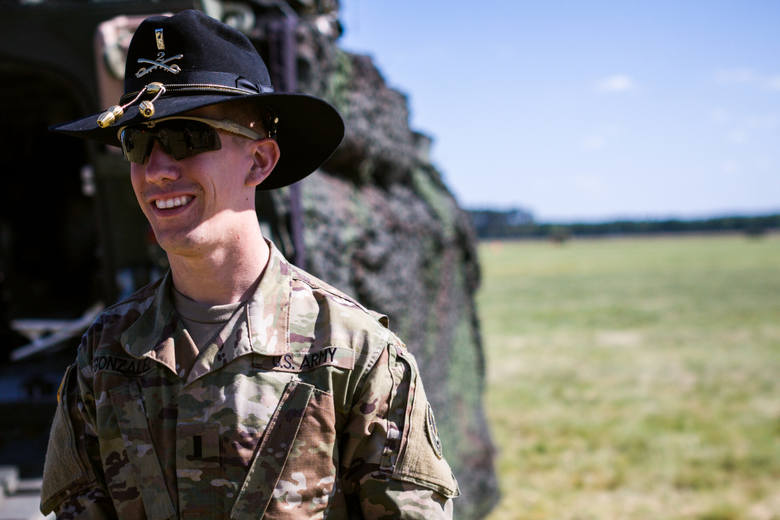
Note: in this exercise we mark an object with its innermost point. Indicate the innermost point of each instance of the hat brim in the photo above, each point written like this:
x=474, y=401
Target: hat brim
x=308, y=132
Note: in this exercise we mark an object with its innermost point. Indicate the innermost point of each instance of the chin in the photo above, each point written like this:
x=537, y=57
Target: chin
x=175, y=243
x=185, y=244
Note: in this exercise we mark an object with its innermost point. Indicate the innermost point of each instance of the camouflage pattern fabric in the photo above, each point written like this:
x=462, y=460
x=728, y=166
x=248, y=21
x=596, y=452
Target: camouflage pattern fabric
x=304, y=405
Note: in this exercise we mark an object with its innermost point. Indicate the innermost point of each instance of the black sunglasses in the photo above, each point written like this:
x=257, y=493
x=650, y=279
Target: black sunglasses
x=179, y=136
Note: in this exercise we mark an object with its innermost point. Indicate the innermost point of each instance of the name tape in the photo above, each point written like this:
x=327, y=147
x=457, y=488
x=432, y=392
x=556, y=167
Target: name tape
x=302, y=361
x=124, y=366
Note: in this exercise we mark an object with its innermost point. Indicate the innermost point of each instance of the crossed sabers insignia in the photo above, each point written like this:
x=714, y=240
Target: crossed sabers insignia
x=160, y=63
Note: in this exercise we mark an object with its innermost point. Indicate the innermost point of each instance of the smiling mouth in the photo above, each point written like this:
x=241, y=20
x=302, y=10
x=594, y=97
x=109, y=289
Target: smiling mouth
x=173, y=202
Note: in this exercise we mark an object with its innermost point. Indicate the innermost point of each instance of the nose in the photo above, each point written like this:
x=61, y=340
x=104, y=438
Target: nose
x=161, y=167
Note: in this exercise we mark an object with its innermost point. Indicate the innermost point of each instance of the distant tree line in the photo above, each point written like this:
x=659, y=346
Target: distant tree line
x=517, y=223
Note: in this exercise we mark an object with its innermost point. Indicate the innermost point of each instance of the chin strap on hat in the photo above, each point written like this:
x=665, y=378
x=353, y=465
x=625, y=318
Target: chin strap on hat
x=146, y=107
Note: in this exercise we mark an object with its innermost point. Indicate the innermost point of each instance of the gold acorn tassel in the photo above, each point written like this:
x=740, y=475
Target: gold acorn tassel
x=146, y=108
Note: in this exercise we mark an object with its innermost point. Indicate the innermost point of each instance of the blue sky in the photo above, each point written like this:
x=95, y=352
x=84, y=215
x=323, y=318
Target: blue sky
x=589, y=110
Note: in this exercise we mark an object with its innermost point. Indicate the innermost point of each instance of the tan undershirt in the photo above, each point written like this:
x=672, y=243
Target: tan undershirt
x=202, y=322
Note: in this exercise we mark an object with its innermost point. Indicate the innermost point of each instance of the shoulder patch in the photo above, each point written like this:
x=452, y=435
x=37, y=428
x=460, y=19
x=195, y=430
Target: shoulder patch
x=433, y=433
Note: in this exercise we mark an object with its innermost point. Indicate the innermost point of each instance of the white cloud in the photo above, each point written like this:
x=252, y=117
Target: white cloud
x=741, y=129
x=735, y=75
x=589, y=184
x=601, y=136
x=765, y=122
x=615, y=83
x=763, y=163
x=730, y=167
x=773, y=83
x=594, y=142
x=737, y=136
x=747, y=76
x=719, y=115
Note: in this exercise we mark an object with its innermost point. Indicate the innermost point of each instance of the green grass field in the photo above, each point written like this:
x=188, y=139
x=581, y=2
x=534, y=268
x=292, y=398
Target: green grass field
x=634, y=378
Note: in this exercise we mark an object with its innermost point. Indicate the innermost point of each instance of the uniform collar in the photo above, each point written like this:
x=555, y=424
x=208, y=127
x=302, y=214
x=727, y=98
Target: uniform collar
x=261, y=326
x=268, y=310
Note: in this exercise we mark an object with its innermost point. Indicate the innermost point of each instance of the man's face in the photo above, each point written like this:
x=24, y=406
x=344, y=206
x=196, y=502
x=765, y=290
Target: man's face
x=198, y=202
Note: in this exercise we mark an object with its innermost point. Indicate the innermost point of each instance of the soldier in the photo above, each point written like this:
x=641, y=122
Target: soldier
x=238, y=385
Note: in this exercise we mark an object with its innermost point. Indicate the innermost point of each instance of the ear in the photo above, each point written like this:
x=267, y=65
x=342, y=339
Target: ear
x=265, y=155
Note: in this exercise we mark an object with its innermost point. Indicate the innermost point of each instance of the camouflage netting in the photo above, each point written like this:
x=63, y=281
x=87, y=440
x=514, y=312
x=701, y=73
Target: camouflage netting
x=380, y=224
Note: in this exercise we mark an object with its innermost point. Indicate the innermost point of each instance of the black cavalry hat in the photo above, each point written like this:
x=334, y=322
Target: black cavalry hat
x=190, y=60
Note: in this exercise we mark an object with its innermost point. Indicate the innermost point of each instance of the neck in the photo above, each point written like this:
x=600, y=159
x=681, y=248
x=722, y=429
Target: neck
x=225, y=273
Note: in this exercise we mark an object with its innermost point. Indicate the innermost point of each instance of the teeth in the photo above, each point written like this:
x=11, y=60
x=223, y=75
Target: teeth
x=175, y=202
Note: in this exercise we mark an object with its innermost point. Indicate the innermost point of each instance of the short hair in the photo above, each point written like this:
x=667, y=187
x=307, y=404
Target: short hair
x=250, y=114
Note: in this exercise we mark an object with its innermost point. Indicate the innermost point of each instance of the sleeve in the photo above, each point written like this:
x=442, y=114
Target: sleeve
x=392, y=460
x=72, y=480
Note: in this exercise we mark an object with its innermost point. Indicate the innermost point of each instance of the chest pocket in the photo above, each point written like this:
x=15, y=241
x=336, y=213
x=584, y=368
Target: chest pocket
x=128, y=404
x=293, y=471
x=270, y=458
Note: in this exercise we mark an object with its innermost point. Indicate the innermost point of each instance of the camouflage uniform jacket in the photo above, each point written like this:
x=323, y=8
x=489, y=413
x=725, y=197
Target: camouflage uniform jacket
x=304, y=406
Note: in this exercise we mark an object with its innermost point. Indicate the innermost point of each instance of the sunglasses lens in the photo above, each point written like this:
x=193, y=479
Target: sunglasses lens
x=136, y=144
x=179, y=138
x=183, y=138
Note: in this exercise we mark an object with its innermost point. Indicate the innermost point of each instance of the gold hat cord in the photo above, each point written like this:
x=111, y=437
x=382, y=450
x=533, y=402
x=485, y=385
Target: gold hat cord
x=146, y=107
